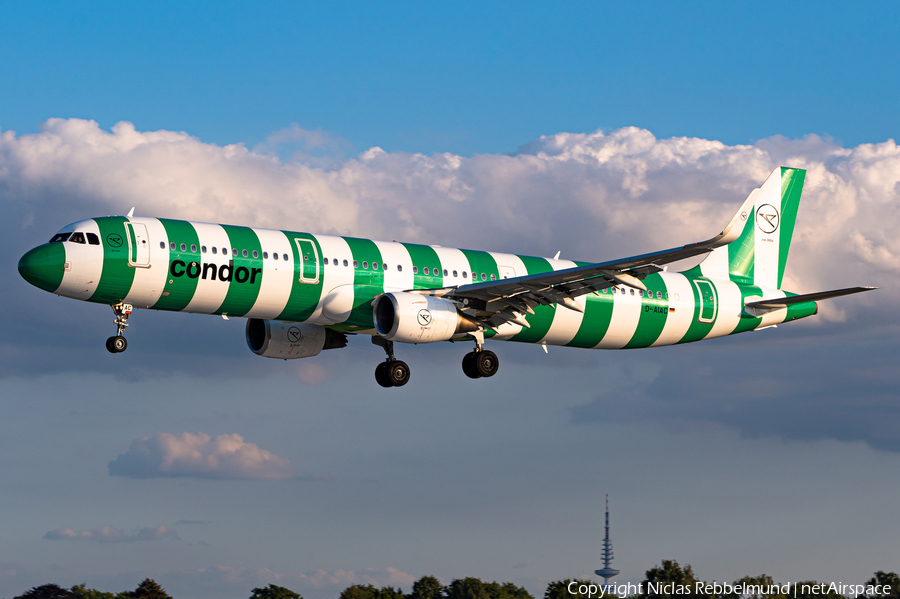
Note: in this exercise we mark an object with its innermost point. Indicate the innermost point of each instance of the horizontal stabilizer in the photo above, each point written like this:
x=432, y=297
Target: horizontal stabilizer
x=780, y=302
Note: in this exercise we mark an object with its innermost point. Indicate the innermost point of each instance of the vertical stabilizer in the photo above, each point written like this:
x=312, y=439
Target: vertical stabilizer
x=759, y=253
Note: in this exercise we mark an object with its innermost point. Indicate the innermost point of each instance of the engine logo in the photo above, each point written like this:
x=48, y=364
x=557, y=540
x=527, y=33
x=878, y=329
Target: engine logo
x=767, y=218
x=294, y=335
x=424, y=317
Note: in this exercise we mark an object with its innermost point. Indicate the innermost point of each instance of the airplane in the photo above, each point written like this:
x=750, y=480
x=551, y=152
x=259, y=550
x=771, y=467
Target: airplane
x=303, y=293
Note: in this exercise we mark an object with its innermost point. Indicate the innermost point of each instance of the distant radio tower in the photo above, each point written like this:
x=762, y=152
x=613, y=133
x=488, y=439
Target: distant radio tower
x=606, y=573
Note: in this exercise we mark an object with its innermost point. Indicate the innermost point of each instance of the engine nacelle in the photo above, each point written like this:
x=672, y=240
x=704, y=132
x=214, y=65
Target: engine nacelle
x=290, y=340
x=413, y=318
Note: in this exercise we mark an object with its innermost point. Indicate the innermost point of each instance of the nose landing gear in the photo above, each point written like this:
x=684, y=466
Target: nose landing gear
x=118, y=344
x=391, y=372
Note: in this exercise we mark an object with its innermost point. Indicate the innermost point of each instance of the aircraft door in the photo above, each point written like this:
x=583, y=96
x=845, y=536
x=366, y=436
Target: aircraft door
x=507, y=272
x=138, y=245
x=309, y=260
x=708, y=305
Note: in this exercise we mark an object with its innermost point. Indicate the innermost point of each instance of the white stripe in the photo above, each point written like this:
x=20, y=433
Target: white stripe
x=566, y=322
x=679, y=321
x=509, y=330
x=452, y=259
x=210, y=293
x=626, y=314
x=336, y=302
x=277, y=275
x=149, y=283
x=728, y=314
x=775, y=316
x=394, y=254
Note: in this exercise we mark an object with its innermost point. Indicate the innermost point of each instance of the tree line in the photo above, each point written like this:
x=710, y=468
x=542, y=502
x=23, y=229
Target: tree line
x=660, y=582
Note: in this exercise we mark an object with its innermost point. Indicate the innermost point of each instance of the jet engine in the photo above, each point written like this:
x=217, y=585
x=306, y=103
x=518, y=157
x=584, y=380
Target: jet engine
x=290, y=340
x=413, y=318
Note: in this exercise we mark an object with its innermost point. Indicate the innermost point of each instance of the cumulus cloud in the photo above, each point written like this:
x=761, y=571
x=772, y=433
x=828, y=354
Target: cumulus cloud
x=593, y=195
x=198, y=456
x=108, y=534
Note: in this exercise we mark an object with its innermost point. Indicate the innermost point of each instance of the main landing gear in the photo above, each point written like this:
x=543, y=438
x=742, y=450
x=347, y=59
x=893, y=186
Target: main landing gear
x=480, y=362
x=117, y=344
x=391, y=372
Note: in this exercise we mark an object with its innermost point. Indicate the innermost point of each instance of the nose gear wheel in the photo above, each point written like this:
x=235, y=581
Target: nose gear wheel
x=118, y=344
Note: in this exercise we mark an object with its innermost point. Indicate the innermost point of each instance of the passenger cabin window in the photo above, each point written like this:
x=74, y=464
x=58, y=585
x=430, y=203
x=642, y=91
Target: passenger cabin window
x=465, y=274
x=93, y=239
x=162, y=245
x=493, y=278
x=183, y=247
x=244, y=253
x=234, y=251
x=454, y=273
x=415, y=270
x=215, y=250
x=399, y=268
x=335, y=261
x=445, y=272
x=266, y=255
x=172, y=246
x=60, y=237
x=345, y=263
x=77, y=237
x=255, y=254
x=659, y=295
x=632, y=292
x=356, y=264
x=275, y=256
x=374, y=266
x=384, y=267
x=224, y=251
x=285, y=257
x=425, y=270
x=203, y=248
x=193, y=248
x=483, y=278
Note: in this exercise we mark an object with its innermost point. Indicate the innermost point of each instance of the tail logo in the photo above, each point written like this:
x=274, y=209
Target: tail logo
x=767, y=218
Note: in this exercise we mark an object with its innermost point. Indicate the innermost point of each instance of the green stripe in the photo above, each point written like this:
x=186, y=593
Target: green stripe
x=653, y=314
x=424, y=256
x=367, y=282
x=242, y=295
x=133, y=242
x=746, y=321
x=181, y=289
x=791, y=188
x=698, y=330
x=542, y=318
x=483, y=262
x=597, y=316
x=741, y=252
x=116, y=277
x=304, y=296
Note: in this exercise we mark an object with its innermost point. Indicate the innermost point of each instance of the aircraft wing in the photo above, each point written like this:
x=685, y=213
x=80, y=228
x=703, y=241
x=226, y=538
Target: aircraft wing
x=494, y=303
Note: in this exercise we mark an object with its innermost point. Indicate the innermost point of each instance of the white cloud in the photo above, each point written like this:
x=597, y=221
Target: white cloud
x=591, y=195
x=108, y=534
x=198, y=456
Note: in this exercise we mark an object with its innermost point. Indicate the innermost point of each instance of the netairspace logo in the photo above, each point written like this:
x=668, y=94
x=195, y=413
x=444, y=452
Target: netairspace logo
x=722, y=588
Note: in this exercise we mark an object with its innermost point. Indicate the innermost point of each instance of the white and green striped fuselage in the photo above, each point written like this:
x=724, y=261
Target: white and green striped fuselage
x=332, y=281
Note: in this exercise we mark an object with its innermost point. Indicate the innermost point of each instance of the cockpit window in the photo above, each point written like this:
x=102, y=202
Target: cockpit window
x=93, y=239
x=77, y=237
x=60, y=237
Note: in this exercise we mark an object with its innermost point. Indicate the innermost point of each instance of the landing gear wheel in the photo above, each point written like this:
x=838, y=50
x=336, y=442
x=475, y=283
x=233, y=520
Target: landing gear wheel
x=381, y=375
x=486, y=363
x=468, y=365
x=398, y=373
x=116, y=345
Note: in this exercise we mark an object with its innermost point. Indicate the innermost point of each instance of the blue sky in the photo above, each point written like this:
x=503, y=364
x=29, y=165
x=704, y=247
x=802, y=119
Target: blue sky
x=462, y=77
x=772, y=452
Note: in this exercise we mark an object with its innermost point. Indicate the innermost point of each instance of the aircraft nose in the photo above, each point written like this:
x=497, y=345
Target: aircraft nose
x=44, y=266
